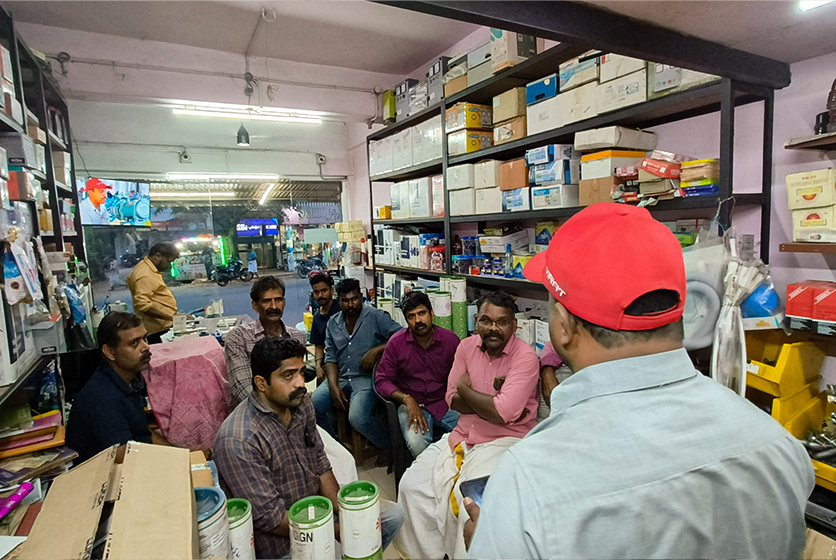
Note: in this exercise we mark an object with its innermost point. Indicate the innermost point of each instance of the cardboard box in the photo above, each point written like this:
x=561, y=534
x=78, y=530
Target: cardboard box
x=455, y=85
x=486, y=173
x=663, y=79
x=402, y=98
x=37, y=134
x=517, y=200
x=399, y=200
x=479, y=55
x=468, y=115
x=20, y=149
x=402, y=149
x=461, y=177
x=541, y=335
x=201, y=473
x=657, y=186
x=7, y=68
x=509, y=105
x=418, y=98
x=62, y=175
x=622, y=92
x=555, y=196
x=509, y=131
x=436, y=138
x=509, y=48
x=578, y=71
x=154, y=512
x=435, y=79
x=602, y=164
x=800, y=299
x=437, y=182
x=596, y=190
x=462, y=202
x=542, y=89
x=616, y=65
x=513, y=175
x=811, y=189
x=544, y=116
x=615, y=137
x=467, y=141
x=562, y=171
x=824, y=302
x=658, y=168
x=21, y=185
x=420, y=198
x=544, y=231
x=496, y=243
x=578, y=104
x=814, y=224
x=479, y=73
x=548, y=153
x=488, y=201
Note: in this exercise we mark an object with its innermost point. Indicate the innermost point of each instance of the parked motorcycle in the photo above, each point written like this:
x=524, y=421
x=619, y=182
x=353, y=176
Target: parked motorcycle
x=233, y=270
x=305, y=267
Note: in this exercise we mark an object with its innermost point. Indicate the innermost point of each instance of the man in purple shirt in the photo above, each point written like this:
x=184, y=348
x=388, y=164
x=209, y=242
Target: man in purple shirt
x=413, y=372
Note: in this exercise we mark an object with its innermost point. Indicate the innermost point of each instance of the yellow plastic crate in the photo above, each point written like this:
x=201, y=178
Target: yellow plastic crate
x=785, y=408
x=808, y=419
x=796, y=364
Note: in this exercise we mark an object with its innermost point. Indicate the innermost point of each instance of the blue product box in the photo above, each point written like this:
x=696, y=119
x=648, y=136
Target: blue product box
x=516, y=200
x=542, y=89
x=564, y=171
x=548, y=153
x=431, y=239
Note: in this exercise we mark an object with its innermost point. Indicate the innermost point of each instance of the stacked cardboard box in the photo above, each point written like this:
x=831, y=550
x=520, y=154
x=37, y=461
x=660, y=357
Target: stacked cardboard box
x=469, y=128
x=509, y=48
x=488, y=196
x=659, y=175
x=700, y=177
x=413, y=146
x=509, y=116
x=811, y=306
x=350, y=232
x=554, y=174
x=811, y=195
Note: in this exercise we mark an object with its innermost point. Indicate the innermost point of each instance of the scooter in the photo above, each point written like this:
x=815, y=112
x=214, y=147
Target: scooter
x=233, y=270
x=305, y=267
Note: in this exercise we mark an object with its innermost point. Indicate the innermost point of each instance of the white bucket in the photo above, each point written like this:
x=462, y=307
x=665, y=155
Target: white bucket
x=312, y=529
x=212, y=524
x=360, y=520
x=458, y=290
x=241, y=538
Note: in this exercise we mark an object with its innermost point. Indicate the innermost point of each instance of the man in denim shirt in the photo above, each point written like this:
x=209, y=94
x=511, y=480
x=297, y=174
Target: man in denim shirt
x=354, y=341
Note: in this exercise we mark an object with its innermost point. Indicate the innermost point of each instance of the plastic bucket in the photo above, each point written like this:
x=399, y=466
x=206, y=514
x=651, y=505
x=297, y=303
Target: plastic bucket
x=212, y=525
x=241, y=540
x=360, y=520
x=311, y=529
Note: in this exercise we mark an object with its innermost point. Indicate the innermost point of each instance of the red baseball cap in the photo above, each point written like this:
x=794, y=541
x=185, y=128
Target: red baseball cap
x=604, y=258
x=96, y=184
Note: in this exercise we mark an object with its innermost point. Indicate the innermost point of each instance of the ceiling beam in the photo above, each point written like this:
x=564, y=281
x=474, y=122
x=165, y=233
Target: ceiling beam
x=581, y=23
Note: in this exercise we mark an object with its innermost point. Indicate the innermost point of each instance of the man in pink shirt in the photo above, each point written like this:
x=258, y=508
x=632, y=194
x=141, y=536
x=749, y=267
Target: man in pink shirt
x=493, y=385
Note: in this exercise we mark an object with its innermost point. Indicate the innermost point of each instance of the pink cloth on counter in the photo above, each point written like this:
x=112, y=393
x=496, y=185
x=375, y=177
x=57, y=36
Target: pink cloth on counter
x=550, y=357
x=188, y=390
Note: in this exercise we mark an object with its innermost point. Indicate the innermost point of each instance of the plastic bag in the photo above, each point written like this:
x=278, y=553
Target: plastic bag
x=79, y=313
x=15, y=288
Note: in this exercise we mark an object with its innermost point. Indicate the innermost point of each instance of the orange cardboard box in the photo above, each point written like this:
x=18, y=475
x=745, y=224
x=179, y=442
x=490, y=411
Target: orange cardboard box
x=513, y=175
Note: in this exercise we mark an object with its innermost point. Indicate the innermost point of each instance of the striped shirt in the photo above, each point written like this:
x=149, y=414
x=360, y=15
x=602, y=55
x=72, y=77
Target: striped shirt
x=270, y=464
x=238, y=345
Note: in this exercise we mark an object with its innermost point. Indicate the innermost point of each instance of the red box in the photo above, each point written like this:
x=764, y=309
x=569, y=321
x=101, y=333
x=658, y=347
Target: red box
x=800, y=298
x=662, y=169
x=20, y=186
x=824, y=301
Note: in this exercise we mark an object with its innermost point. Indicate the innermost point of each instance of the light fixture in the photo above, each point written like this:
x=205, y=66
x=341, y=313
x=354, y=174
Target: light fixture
x=178, y=176
x=243, y=137
x=806, y=5
x=266, y=193
x=248, y=115
x=191, y=194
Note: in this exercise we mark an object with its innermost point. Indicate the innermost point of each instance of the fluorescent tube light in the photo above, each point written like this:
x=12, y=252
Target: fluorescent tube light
x=806, y=5
x=247, y=116
x=191, y=194
x=266, y=193
x=176, y=176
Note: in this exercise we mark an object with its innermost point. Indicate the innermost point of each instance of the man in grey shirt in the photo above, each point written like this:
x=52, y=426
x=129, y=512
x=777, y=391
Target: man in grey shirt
x=642, y=456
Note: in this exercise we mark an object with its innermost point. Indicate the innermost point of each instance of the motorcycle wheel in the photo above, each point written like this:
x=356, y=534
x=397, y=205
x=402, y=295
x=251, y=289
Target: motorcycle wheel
x=246, y=276
x=302, y=271
x=223, y=282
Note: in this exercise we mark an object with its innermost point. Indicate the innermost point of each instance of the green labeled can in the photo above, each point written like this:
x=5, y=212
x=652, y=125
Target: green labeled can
x=311, y=529
x=360, y=521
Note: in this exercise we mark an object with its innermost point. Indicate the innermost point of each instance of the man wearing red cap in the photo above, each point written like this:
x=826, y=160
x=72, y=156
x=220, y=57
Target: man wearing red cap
x=642, y=456
x=93, y=211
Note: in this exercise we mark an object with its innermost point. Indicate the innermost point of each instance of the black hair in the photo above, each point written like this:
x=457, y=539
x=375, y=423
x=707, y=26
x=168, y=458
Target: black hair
x=113, y=324
x=265, y=284
x=413, y=299
x=269, y=353
x=500, y=299
x=166, y=249
x=321, y=277
x=348, y=285
x=650, y=303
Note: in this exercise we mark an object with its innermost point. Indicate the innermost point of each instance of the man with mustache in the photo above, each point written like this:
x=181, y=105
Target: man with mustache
x=493, y=385
x=110, y=409
x=413, y=372
x=322, y=286
x=269, y=452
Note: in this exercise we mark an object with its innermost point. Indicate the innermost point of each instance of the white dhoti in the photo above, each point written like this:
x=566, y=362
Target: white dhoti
x=252, y=266
x=431, y=529
x=342, y=462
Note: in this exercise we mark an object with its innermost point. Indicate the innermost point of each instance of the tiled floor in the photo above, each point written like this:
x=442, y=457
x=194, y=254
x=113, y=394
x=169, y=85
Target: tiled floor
x=386, y=484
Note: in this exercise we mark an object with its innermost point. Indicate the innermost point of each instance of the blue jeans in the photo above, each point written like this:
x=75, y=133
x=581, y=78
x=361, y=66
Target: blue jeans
x=419, y=442
x=361, y=410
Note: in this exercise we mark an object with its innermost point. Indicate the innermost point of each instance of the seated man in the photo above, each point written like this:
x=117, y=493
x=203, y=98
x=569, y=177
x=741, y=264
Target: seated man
x=493, y=384
x=354, y=342
x=110, y=409
x=323, y=290
x=267, y=295
x=413, y=372
x=268, y=450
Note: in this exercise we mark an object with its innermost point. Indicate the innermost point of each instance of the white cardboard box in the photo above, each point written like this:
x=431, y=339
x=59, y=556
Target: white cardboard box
x=419, y=140
x=622, y=92
x=385, y=155
x=434, y=146
x=604, y=167
x=811, y=189
x=554, y=196
x=399, y=198
x=543, y=116
x=488, y=201
x=402, y=149
x=578, y=104
x=509, y=48
x=814, y=224
x=574, y=73
x=541, y=335
x=486, y=173
x=461, y=177
x=420, y=198
x=374, y=158
x=437, y=182
x=616, y=65
x=517, y=200
x=517, y=240
x=615, y=137
x=462, y=202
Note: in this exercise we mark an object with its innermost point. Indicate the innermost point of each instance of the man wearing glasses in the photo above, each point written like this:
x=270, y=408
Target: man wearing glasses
x=493, y=385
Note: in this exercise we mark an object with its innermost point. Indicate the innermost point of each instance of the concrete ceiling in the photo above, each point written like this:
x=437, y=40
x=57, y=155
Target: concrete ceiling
x=345, y=33
x=776, y=29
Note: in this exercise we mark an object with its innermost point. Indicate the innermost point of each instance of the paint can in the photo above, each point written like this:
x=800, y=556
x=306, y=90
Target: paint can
x=241, y=538
x=311, y=529
x=212, y=524
x=360, y=521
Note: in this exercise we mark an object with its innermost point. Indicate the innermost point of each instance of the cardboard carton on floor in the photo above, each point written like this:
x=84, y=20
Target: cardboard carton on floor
x=153, y=513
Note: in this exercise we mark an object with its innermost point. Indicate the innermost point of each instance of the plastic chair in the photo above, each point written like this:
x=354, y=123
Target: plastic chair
x=401, y=456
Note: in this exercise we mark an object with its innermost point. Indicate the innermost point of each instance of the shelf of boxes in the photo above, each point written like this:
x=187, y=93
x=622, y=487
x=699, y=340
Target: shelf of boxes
x=410, y=270
x=428, y=168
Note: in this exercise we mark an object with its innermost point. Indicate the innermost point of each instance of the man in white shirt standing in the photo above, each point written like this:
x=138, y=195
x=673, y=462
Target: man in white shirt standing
x=642, y=456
